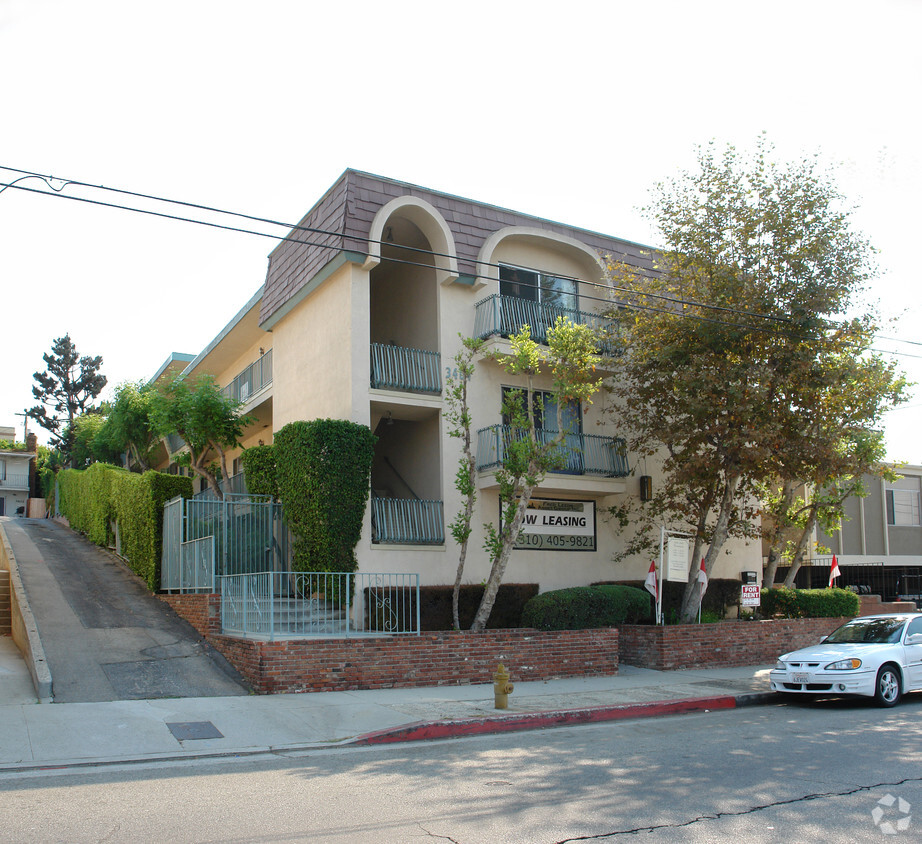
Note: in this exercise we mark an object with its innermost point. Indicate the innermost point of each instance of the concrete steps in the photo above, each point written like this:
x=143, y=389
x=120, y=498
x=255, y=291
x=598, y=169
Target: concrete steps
x=5, y=604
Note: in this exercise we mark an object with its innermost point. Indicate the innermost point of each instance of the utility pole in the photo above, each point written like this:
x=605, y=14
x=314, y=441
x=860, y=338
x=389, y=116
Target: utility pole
x=25, y=425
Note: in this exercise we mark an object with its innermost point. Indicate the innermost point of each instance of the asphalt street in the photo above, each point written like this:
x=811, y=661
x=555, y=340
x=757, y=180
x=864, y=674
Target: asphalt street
x=836, y=771
x=105, y=636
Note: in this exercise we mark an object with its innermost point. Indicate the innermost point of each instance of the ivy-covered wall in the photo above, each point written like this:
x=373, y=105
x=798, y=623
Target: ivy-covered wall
x=100, y=496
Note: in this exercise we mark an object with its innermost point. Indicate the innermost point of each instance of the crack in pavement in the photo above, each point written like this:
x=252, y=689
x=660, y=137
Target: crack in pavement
x=751, y=810
x=436, y=835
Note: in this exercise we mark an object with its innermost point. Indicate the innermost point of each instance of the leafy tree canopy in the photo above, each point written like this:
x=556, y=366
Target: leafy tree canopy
x=743, y=359
x=66, y=388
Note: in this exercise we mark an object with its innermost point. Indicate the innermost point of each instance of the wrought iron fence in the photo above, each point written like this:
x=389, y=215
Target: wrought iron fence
x=399, y=368
x=407, y=521
x=246, y=533
x=289, y=604
x=505, y=315
x=582, y=454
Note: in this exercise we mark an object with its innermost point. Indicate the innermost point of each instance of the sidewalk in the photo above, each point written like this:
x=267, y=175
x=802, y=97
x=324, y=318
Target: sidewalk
x=38, y=736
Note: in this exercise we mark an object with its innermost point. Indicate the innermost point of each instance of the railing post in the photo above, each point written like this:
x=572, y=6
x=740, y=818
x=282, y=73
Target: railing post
x=350, y=602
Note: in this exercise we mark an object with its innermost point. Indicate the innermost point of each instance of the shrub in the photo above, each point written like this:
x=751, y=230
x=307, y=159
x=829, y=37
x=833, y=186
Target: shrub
x=435, y=605
x=259, y=471
x=809, y=603
x=583, y=607
x=95, y=498
x=324, y=468
x=722, y=595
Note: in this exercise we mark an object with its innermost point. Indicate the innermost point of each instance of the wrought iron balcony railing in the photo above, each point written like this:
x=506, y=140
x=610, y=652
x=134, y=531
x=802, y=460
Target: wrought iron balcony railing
x=256, y=376
x=409, y=370
x=582, y=454
x=407, y=521
x=502, y=316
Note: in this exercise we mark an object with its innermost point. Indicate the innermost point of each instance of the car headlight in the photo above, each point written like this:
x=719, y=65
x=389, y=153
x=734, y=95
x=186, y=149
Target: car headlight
x=780, y=666
x=844, y=665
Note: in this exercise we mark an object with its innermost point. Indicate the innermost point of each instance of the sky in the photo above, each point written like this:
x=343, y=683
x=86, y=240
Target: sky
x=570, y=112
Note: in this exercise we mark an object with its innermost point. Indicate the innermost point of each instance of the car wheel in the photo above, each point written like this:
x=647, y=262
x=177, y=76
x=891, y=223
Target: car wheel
x=889, y=687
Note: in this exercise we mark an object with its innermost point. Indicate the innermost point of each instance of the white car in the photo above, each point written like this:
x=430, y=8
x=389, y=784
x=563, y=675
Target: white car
x=879, y=656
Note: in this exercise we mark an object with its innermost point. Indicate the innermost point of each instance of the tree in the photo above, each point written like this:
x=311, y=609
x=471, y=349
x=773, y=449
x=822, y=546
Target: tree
x=571, y=359
x=67, y=386
x=735, y=344
x=87, y=442
x=205, y=418
x=458, y=415
x=129, y=425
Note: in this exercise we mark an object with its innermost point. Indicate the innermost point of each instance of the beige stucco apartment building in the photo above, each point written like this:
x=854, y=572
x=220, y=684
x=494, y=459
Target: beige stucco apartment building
x=359, y=318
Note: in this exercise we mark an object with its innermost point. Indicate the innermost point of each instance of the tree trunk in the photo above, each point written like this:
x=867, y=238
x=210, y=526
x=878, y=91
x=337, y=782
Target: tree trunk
x=466, y=527
x=802, y=543
x=691, y=600
x=777, y=538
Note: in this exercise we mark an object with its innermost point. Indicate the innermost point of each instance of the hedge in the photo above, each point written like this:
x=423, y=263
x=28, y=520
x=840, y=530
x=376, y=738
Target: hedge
x=722, y=594
x=435, y=605
x=95, y=498
x=583, y=607
x=809, y=603
x=259, y=471
x=323, y=469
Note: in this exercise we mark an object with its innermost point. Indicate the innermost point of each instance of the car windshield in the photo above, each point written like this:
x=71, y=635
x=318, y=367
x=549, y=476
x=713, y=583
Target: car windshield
x=868, y=631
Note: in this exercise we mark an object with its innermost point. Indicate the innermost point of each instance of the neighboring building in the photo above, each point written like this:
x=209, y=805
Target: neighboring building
x=879, y=543
x=16, y=473
x=360, y=318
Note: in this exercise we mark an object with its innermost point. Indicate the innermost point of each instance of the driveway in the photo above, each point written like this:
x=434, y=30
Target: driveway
x=105, y=636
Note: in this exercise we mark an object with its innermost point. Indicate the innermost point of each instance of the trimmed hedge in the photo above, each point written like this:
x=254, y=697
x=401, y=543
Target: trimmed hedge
x=722, y=594
x=95, y=498
x=323, y=469
x=809, y=603
x=583, y=607
x=435, y=605
x=259, y=471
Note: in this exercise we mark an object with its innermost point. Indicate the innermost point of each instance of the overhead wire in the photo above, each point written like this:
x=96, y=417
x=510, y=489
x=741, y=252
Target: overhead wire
x=674, y=301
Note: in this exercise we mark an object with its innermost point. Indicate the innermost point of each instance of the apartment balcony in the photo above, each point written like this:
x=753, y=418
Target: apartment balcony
x=583, y=454
x=254, y=378
x=17, y=481
x=407, y=521
x=503, y=316
x=406, y=370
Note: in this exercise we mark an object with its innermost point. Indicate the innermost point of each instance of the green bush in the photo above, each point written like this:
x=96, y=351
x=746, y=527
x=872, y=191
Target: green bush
x=324, y=469
x=259, y=471
x=809, y=603
x=584, y=607
x=722, y=595
x=435, y=605
x=95, y=498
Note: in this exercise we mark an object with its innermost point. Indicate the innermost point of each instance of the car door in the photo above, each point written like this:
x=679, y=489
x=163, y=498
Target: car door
x=912, y=649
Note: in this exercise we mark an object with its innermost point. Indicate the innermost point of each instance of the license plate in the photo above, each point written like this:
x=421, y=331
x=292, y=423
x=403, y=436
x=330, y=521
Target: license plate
x=800, y=677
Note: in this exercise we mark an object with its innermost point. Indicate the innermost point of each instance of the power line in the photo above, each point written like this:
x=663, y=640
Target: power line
x=342, y=236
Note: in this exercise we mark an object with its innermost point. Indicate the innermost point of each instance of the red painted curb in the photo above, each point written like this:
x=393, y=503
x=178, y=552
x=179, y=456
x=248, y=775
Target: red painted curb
x=424, y=730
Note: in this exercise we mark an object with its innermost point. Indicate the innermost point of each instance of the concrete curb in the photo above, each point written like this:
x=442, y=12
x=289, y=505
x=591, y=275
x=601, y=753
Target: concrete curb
x=428, y=730
x=25, y=629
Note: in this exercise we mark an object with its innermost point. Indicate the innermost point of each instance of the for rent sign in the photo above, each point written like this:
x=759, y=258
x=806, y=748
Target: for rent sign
x=558, y=526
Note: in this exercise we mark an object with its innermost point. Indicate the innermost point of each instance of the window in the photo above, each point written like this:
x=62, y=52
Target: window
x=548, y=290
x=902, y=507
x=545, y=411
x=2, y=470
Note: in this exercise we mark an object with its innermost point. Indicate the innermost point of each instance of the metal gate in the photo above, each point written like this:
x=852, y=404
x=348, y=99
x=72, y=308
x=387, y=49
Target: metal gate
x=207, y=538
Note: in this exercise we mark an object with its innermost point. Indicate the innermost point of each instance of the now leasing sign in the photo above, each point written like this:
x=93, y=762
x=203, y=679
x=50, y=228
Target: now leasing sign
x=558, y=526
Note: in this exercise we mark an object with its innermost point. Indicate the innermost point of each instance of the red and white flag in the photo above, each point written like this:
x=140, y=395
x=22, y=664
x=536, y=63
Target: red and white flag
x=650, y=583
x=833, y=571
x=702, y=578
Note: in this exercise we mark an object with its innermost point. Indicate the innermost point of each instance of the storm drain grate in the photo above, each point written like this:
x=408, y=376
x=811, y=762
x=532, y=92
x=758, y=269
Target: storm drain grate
x=188, y=730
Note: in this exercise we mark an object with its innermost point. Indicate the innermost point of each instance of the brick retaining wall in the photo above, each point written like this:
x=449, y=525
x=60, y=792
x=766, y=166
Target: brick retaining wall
x=381, y=662
x=724, y=644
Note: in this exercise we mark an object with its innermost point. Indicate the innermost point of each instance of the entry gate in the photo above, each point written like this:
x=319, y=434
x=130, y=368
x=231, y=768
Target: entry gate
x=207, y=538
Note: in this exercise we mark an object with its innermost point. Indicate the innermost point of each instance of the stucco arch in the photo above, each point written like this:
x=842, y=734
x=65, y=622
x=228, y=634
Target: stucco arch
x=577, y=249
x=429, y=221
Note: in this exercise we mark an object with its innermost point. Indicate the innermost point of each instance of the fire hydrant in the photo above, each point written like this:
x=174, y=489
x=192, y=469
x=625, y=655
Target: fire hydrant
x=502, y=688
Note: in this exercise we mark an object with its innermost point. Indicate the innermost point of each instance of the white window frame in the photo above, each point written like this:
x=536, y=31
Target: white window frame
x=540, y=291
x=903, y=508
